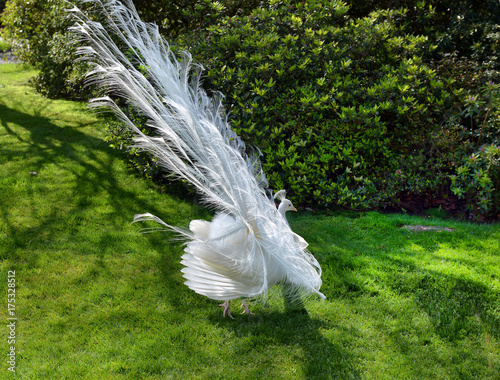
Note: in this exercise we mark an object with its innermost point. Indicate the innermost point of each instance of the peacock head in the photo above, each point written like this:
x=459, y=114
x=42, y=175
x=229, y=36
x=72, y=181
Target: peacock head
x=285, y=204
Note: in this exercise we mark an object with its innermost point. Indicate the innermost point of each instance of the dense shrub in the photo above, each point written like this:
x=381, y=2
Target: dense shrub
x=175, y=20
x=469, y=28
x=38, y=32
x=477, y=177
x=345, y=111
x=478, y=181
x=29, y=25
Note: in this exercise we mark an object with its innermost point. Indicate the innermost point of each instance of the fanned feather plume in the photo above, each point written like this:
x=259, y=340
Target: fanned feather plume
x=248, y=247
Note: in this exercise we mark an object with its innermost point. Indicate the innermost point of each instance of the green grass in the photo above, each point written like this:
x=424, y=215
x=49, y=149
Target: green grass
x=97, y=300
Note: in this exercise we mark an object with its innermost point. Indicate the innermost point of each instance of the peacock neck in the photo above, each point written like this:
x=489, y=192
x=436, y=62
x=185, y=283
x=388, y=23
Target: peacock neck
x=281, y=210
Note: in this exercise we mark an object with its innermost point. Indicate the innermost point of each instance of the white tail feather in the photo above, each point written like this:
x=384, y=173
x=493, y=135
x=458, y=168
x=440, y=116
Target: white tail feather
x=248, y=247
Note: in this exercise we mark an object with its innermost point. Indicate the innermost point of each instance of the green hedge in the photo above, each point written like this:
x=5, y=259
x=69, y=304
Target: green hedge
x=349, y=111
x=345, y=111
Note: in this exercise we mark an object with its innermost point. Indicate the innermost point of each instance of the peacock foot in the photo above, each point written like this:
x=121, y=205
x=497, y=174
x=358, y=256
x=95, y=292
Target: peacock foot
x=225, y=305
x=245, y=308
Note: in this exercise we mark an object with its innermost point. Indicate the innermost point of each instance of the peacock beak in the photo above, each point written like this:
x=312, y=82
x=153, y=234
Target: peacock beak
x=294, y=209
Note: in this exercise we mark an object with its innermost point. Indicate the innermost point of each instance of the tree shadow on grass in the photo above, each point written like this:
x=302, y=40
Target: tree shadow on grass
x=87, y=161
x=320, y=357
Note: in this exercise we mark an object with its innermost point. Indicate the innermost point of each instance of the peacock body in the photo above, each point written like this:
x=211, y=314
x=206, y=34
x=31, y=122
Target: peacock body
x=248, y=246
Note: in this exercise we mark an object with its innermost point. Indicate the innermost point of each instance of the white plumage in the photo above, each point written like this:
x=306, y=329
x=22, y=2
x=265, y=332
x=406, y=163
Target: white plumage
x=248, y=246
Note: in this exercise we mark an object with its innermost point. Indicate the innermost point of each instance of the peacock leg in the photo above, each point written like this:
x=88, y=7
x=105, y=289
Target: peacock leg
x=245, y=307
x=225, y=305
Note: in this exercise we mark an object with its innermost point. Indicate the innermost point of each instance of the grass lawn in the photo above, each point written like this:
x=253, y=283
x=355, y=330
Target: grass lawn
x=97, y=300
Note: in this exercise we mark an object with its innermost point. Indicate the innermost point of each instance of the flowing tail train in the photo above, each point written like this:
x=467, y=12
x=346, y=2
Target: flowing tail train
x=248, y=246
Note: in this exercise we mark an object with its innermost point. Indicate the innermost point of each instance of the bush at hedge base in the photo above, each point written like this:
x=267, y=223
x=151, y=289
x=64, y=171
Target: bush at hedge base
x=38, y=30
x=477, y=181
